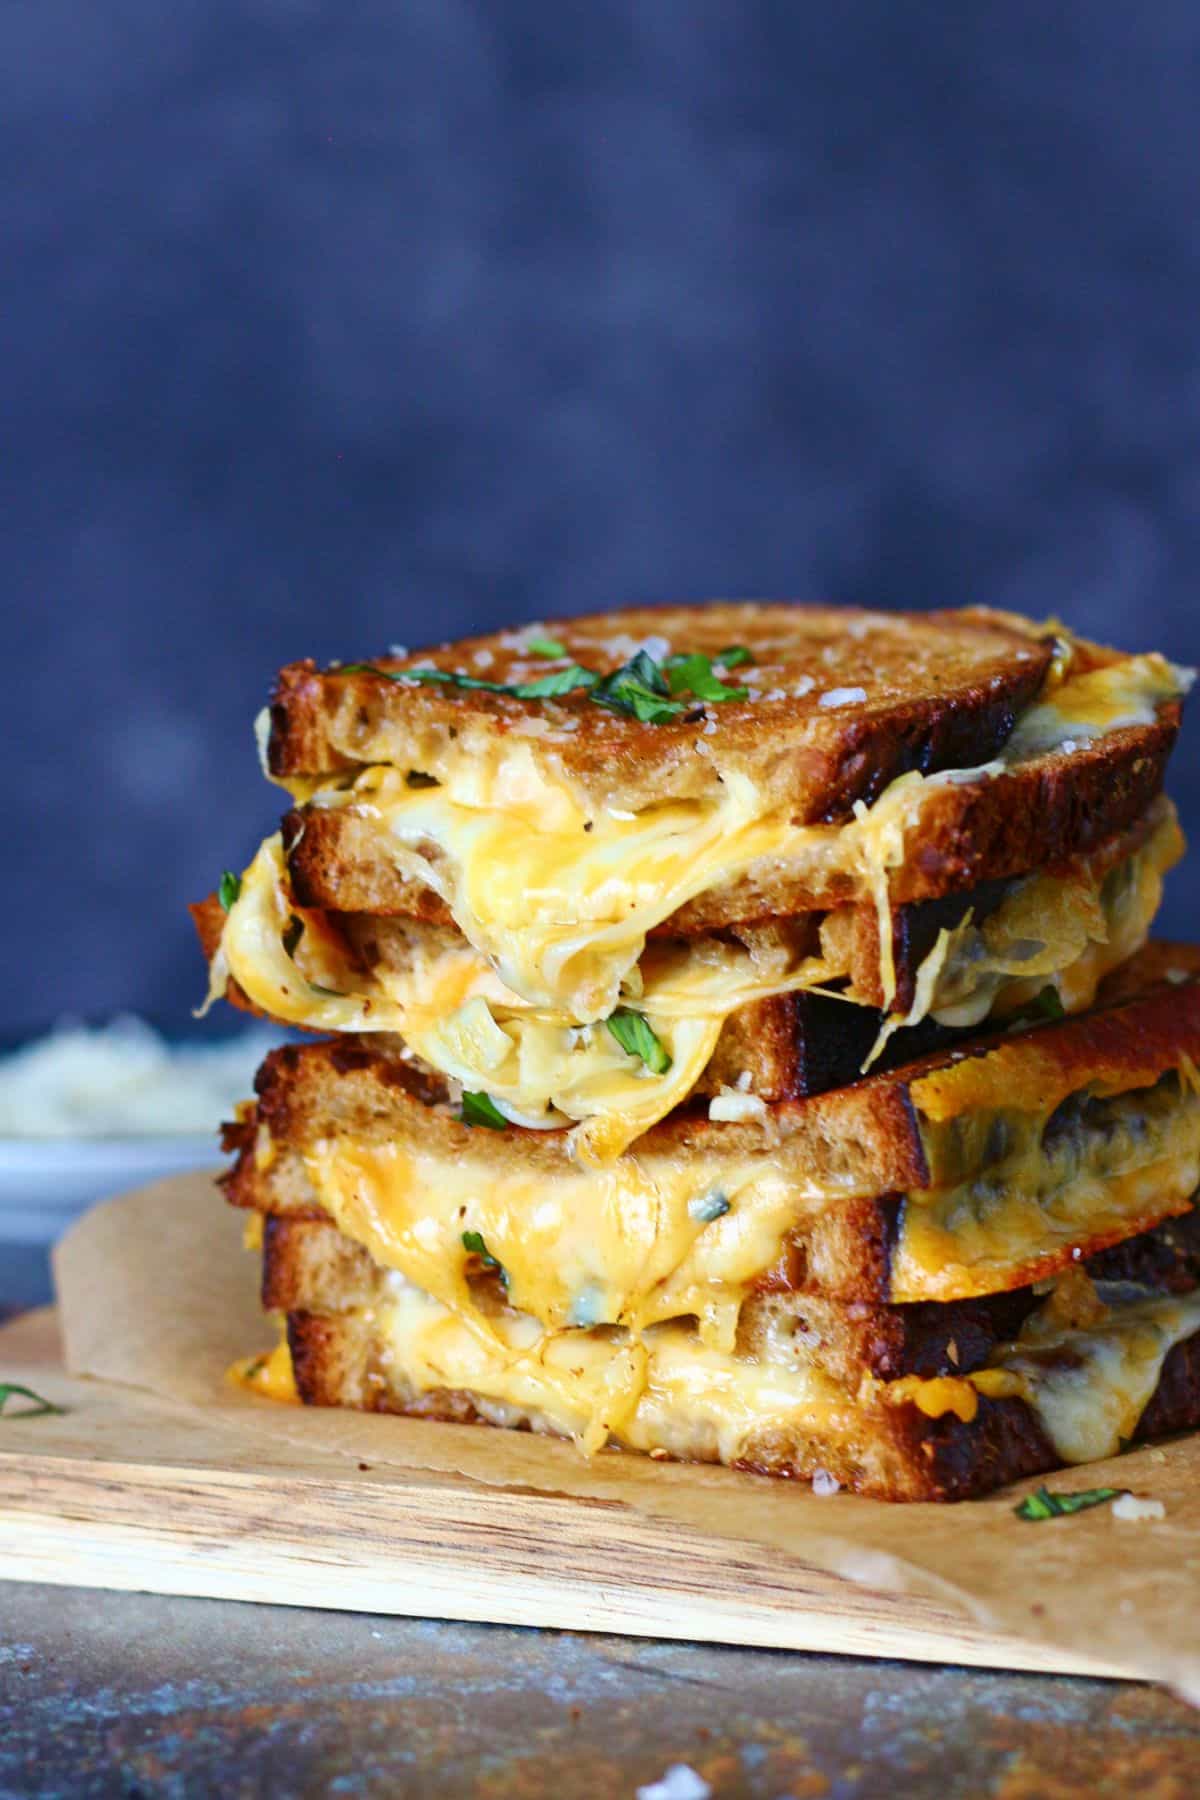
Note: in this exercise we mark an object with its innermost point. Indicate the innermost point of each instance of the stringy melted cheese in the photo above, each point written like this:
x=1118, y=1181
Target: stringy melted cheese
x=542, y=1068
x=560, y=899
x=455, y=1013
x=664, y=1391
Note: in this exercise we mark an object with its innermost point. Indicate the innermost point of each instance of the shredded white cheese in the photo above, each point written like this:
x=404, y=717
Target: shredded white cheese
x=733, y=1108
x=124, y=1080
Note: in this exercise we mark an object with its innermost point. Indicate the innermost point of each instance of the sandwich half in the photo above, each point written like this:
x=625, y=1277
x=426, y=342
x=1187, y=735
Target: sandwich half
x=734, y=854
x=976, y=1267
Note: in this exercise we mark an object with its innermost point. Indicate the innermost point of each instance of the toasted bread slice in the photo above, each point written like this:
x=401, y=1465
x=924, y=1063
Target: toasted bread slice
x=791, y=1396
x=839, y=703
x=968, y=1173
x=1038, y=814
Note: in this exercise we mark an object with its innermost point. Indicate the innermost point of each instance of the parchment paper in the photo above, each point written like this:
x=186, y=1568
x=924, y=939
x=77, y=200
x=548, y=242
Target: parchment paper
x=157, y=1293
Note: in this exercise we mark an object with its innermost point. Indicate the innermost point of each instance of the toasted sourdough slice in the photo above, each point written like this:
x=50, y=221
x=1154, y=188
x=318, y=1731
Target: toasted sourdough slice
x=838, y=703
x=734, y=1012
x=995, y=826
x=916, y=1403
x=968, y=1173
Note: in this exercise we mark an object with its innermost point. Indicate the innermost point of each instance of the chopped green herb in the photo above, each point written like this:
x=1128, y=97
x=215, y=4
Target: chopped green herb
x=10, y=1390
x=1042, y=1504
x=636, y=1037
x=734, y=656
x=1049, y=1003
x=293, y=931
x=708, y=1207
x=229, y=888
x=694, y=675
x=481, y=1109
x=473, y=1242
x=639, y=689
x=562, y=681
x=255, y=1368
x=642, y=688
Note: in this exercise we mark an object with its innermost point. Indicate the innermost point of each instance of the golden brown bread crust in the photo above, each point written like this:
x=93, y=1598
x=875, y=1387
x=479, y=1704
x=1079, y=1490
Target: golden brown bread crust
x=1039, y=815
x=940, y=690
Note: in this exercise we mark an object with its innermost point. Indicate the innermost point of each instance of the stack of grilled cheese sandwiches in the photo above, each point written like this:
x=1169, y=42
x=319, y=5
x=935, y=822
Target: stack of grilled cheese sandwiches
x=739, y=1041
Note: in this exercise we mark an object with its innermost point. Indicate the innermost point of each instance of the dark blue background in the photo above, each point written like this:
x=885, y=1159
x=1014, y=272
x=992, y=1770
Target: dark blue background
x=327, y=325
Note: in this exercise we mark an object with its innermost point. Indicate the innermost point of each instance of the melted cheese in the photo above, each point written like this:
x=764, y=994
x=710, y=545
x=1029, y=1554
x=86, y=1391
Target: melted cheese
x=1086, y=705
x=665, y=1391
x=1087, y=1384
x=543, y=1068
x=1067, y=932
x=560, y=900
x=453, y=1011
x=1089, y=1387
x=271, y=1376
x=1136, y=1163
x=555, y=907
x=629, y=1244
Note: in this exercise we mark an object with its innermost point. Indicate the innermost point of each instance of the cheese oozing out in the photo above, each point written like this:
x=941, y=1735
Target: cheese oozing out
x=544, y=1068
x=1088, y=1385
x=632, y=1243
x=665, y=1390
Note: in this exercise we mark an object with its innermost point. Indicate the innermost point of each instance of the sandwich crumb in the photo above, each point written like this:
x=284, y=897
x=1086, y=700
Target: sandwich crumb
x=1130, y=1507
x=680, y=1782
x=824, y=1484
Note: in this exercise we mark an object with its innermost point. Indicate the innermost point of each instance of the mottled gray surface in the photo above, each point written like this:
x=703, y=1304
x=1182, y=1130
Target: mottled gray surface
x=326, y=326
x=130, y=1695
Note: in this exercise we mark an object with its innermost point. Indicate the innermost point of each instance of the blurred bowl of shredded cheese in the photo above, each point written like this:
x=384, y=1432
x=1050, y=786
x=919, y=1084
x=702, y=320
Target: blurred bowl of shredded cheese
x=88, y=1111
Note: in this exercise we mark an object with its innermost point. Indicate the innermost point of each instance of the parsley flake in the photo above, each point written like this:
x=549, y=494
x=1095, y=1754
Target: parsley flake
x=734, y=656
x=636, y=1037
x=694, y=675
x=562, y=681
x=1042, y=1504
x=11, y=1390
x=545, y=646
x=474, y=1244
x=481, y=1109
x=229, y=888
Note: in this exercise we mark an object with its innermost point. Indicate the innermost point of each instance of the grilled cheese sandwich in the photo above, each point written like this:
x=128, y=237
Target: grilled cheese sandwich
x=543, y=891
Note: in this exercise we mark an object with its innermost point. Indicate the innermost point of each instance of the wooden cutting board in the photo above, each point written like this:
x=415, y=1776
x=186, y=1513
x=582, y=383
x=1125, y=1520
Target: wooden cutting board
x=124, y=1490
